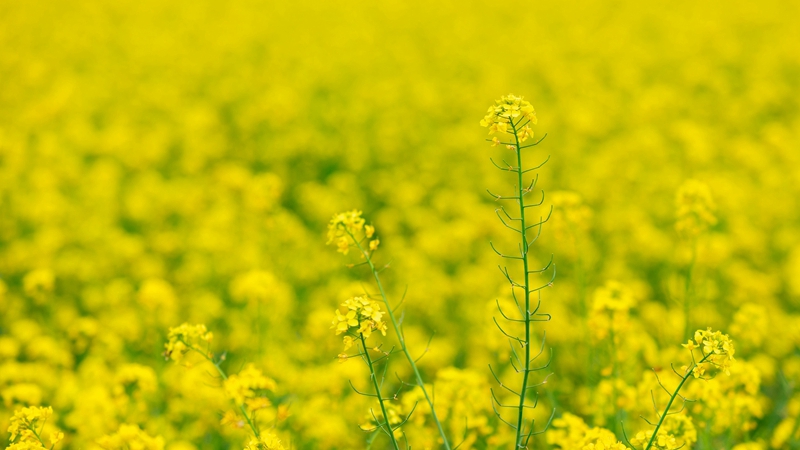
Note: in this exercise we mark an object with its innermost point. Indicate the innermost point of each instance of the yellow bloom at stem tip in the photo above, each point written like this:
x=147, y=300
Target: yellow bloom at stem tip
x=347, y=230
x=511, y=114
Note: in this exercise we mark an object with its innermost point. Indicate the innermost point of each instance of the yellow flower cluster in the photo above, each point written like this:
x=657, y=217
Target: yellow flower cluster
x=717, y=350
x=130, y=436
x=663, y=440
x=695, y=208
x=570, y=432
x=347, y=229
x=681, y=428
x=266, y=441
x=362, y=315
x=185, y=338
x=501, y=117
x=247, y=387
x=26, y=429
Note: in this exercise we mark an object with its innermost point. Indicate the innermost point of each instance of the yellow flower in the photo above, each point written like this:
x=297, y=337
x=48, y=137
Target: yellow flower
x=129, y=437
x=25, y=420
x=184, y=338
x=498, y=127
x=343, y=322
x=242, y=387
x=508, y=108
x=56, y=437
x=525, y=133
x=267, y=441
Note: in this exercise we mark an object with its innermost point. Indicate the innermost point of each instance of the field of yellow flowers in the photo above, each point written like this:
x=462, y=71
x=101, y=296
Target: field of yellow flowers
x=266, y=225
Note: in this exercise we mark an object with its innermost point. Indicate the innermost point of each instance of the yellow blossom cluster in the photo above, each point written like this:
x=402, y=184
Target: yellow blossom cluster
x=185, y=338
x=717, y=351
x=662, y=441
x=513, y=115
x=266, y=441
x=130, y=436
x=248, y=387
x=27, y=429
x=348, y=229
x=570, y=432
x=362, y=316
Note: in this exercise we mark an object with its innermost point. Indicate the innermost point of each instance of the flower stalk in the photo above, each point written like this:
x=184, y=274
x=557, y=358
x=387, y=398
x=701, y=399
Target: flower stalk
x=400, y=337
x=511, y=115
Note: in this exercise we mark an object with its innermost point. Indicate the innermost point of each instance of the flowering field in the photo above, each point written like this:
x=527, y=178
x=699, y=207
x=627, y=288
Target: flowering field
x=266, y=225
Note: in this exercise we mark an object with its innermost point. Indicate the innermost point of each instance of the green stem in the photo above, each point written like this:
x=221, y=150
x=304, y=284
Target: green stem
x=400, y=338
x=672, y=399
x=524, y=238
x=374, y=378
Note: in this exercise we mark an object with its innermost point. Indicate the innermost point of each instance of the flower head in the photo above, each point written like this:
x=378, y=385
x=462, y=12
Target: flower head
x=363, y=316
x=266, y=441
x=184, y=338
x=346, y=230
x=25, y=421
x=717, y=350
x=511, y=114
x=246, y=388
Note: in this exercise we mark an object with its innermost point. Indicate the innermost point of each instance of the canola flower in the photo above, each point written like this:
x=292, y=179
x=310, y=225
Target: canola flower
x=512, y=117
x=26, y=429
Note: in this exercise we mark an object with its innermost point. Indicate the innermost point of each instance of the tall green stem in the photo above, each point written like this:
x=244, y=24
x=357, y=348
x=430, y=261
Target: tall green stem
x=524, y=238
x=401, y=339
x=377, y=385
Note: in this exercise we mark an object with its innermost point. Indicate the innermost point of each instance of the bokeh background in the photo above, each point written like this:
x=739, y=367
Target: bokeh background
x=163, y=162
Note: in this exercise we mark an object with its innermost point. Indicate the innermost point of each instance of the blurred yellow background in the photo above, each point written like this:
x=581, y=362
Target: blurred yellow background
x=163, y=162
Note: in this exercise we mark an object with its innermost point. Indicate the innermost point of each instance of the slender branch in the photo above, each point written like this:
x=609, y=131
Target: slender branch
x=374, y=379
x=401, y=337
x=672, y=399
